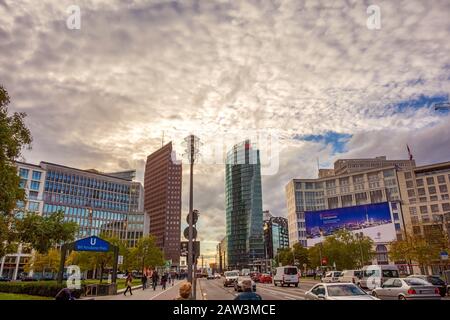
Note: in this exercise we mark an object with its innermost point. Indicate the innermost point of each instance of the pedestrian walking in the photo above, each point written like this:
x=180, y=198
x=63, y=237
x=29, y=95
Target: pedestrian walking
x=128, y=283
x=144, y=281
x=164, y=281
x=155, y=278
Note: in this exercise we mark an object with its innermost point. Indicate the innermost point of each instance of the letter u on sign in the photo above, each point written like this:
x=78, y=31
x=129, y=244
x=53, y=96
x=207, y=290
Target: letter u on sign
x=93, y=241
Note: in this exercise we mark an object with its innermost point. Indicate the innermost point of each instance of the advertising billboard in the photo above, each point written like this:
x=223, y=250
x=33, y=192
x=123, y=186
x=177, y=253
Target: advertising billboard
x=373, y=220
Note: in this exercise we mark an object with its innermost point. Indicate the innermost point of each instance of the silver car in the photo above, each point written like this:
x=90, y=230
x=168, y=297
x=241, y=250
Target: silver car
x=406, y=289
x=238, y=283
x=337, y=291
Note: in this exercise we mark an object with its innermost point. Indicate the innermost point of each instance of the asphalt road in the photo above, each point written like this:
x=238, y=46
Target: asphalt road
x=214, y=290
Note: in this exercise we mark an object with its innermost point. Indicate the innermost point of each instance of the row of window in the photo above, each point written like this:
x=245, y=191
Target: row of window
x=36, y=175
x=77, y=201
x=432, y=208
x=87, y=182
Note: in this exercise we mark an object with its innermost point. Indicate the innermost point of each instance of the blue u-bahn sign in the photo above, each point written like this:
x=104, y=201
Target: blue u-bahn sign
x=91, y=244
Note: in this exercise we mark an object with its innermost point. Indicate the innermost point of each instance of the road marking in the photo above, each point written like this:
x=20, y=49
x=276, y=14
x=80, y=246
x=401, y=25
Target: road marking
x=167, y=290
x=284, y=293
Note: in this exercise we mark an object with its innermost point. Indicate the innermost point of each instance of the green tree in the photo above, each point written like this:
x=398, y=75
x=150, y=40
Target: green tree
x=145, y=254
x=48, y=262
x=344, y=249
x=43, y=233
x=14, y=137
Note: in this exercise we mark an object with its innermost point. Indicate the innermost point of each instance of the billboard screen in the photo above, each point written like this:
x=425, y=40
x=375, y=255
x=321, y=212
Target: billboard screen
x=373, y=220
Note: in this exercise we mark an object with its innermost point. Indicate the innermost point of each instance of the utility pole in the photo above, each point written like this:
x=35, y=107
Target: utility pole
x=192, y=143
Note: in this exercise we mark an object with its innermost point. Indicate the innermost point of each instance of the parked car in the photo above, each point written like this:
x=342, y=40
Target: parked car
x=331, y=276
x=121, y=276
x=286, y=275
x=375, y=276
x=230, y=278
x=217, y=276
x=265, y=278
x=210, y=276
x=238, y=283
x=4, y=279
x=406, y=289
x=435, y=281
x=337, y=291
x=352, y=276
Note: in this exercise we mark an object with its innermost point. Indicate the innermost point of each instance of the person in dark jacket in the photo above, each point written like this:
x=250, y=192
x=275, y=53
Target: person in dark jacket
x=247, y=293
x=128, y=283
x=164, y=281
x=155, y=278
x=144, y=281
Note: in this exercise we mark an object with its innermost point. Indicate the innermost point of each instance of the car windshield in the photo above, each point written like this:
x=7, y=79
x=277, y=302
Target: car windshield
x=390, y=273
x=344, y=290
x=416, y=282
x=231, y=274
x=435, y=281
x=290, y=271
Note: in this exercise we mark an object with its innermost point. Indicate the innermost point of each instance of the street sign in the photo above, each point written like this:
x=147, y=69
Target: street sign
x=120, y=260
x=185, y=245
x=91, y=244
x=444, y=255
x=195, y=217
x=186, y=233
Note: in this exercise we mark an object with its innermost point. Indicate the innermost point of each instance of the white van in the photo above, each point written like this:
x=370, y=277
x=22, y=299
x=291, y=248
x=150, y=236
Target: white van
x=286, y=275
x=353, y=276
x=375, y=275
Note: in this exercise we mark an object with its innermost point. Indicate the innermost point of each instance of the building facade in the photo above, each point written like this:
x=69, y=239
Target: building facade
x=426, y=203
x=244, y=217
x=352, y=182
x=100, y=203
x=276, y=236
x=162, y=201
x=32, y=179
x=222, y=253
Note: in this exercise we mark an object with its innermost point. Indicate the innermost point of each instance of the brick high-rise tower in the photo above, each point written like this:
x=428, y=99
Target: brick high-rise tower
x=162, y=201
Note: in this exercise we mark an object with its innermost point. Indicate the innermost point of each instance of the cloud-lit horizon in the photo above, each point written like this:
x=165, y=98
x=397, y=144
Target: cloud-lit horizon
x=310, y=72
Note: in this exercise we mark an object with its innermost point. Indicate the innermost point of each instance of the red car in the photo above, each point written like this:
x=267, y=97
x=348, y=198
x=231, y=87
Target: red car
x=255, y=276
x=265, y=278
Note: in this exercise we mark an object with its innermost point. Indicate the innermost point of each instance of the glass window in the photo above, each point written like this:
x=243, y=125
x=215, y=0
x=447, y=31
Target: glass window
x=419, y=182
x=36, y=175
x=431, y=190
x=443, y=188
x=423, y=209
x=441, y=179
x=408, y=175
x=430, y=180
x=23, y=173
x=34, y=185
x=33, y=206
x=23, y=183
x=446, y=206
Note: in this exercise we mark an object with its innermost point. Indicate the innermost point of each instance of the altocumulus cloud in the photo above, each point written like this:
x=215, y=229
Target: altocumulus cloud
x=101, y=96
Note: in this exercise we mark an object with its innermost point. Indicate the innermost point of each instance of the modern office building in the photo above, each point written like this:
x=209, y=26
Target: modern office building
x=222, y=253
x=425, y=200
x=352, y=182
x=162, y=201
x=244, y=217
x=276, y=235
x=100, y=203
x=32, y=179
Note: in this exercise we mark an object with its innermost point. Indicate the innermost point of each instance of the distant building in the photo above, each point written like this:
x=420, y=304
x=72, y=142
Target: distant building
x=222, y=253
x=162, y=201
x=244, y=217
x=276, y=235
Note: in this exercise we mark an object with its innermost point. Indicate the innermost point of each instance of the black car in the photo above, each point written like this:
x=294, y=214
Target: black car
x=435, y=281
x=4, y=279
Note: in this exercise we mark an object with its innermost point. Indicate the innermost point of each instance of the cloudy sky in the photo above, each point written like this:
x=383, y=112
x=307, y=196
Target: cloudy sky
x=310, y=73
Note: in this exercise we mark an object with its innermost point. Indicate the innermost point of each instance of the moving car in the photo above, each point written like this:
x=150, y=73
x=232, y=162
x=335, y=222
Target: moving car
x=435, y=281
x=286, y=275
x=337, y=291
x=230, y=278
x=375, y=275
x=406, y=289
x=245, y=272
x=352, y=276
x=265, y=278
x=255, y=276
x=331, y=276
x=217, y=276
x=238, y=283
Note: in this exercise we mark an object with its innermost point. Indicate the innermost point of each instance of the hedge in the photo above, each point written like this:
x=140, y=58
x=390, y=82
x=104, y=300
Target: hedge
x=35, y=288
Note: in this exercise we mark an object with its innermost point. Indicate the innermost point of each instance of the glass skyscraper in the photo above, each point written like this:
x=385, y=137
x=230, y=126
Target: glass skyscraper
x=244, y=214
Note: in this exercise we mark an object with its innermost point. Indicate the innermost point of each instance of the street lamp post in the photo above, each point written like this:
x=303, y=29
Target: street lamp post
x=192, y=143
x=360, y=236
